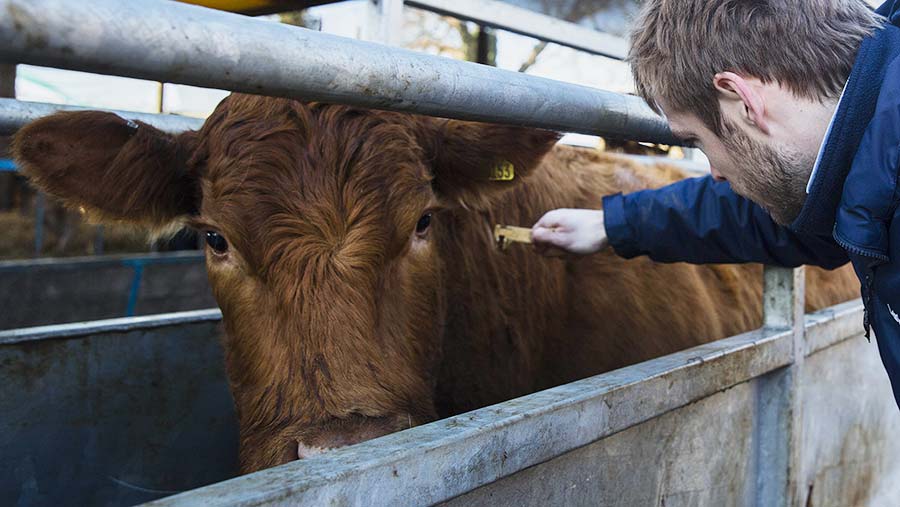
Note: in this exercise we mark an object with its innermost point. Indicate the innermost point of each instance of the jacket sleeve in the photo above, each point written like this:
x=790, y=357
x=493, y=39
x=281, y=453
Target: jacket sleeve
x=703, y=221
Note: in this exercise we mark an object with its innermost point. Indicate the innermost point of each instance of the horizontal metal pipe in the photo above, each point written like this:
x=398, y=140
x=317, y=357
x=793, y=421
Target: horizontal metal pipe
x=504, y=16
x=180, y=43
x=14, y=114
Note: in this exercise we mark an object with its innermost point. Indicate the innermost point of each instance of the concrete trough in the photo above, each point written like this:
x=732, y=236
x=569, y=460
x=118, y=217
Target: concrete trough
x=59, y=290
x=128, y=410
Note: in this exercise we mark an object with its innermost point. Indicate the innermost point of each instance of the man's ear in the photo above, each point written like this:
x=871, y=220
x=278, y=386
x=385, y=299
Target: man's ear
x=474, y=162
x=113, y=169
x=743, y=97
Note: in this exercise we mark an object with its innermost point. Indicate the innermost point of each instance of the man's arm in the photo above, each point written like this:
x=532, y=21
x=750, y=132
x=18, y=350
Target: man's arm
x=701, y=221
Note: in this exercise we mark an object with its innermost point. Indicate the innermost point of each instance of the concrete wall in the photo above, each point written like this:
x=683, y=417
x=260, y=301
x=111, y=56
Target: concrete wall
x=710, y=453
x=55, y=291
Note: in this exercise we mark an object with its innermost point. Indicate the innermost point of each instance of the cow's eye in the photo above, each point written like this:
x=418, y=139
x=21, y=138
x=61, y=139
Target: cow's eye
x=424, y=224
x=216, y=242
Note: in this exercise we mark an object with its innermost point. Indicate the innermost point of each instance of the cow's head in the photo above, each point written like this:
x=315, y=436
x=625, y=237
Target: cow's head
x=320, y=222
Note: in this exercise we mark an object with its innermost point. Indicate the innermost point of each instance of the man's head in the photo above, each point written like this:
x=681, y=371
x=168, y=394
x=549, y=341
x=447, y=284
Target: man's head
x=753, y=83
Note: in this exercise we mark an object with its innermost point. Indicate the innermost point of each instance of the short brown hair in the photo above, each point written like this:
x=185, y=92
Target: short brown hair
x=808, y=46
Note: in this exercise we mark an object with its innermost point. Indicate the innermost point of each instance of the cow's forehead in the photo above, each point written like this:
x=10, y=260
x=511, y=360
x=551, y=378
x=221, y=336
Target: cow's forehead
x=312, y=143
x=288, y=175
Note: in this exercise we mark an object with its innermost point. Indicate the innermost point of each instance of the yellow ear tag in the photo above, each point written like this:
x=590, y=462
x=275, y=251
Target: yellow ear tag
x=504, y=171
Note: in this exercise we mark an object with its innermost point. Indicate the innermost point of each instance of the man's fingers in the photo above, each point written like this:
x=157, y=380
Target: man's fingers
x=555, y=237
x=550, y=243
x=554, y=219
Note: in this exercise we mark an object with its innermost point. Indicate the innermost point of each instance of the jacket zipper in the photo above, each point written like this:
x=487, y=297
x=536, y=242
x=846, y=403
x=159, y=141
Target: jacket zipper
x=875, y=260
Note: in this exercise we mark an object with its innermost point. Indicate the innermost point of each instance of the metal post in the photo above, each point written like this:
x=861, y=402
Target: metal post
x=783, y=298
x=160, y=97
x=40, y=208
x=483, y=51
x=7, y=89
x=216, y=49
x=504, y=16
x=385, y=22
x=778, y=439
x=98, y=240
x=8, y=80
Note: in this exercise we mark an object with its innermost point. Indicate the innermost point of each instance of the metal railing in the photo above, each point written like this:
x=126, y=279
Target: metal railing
x=179, y=43
x=503, y=16
x=14, y=114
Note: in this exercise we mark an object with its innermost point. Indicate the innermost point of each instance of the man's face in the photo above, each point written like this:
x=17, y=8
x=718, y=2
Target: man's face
x=771, y=175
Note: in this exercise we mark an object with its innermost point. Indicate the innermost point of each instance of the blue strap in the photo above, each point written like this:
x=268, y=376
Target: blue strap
x=891, y=10
x=135, y=287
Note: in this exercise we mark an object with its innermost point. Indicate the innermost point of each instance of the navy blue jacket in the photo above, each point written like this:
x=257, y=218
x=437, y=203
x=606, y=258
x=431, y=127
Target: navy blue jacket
x=851, y=212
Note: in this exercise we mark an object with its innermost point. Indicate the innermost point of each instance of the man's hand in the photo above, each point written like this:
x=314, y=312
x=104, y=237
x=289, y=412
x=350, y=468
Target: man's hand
x=570, y=232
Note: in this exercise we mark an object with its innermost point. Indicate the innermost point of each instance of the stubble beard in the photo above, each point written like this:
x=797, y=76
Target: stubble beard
x=774, y=179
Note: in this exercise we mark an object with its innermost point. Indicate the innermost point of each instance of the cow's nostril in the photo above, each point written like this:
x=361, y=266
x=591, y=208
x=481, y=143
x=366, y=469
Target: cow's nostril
x=307, y=451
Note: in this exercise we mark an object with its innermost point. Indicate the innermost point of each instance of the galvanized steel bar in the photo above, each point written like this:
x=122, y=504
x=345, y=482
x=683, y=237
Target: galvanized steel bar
x=514, y=19
x=14, y=114
x=179, y=43
x=40, y=211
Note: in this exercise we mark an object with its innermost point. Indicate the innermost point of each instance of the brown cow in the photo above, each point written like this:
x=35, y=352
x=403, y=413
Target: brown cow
x=351, y=254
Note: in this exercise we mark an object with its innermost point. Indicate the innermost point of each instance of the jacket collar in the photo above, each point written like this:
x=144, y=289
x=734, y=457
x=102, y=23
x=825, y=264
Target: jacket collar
x=851, y=119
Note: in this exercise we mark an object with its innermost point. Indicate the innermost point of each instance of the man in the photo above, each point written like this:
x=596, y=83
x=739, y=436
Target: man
x=797, y=105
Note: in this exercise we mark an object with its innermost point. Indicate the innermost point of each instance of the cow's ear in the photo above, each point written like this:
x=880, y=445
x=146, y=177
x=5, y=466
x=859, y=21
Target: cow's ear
x=475, y=162
x=111, y=168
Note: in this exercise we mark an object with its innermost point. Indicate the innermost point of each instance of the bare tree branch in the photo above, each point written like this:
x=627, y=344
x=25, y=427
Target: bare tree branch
x=532, y=58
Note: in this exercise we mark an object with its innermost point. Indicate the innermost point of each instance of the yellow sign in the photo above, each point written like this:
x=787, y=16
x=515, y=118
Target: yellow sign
x=505, y=235
x=238, y=5
x=503, y=171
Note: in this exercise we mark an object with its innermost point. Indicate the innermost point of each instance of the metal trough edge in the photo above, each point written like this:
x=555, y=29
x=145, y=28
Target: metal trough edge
x=446, y=458
x=81, y=329
x=832, y=326
x=441, y=460
x=70, y=263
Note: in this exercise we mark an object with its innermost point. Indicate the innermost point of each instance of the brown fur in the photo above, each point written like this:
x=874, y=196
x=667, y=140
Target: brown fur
x=341, y=322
